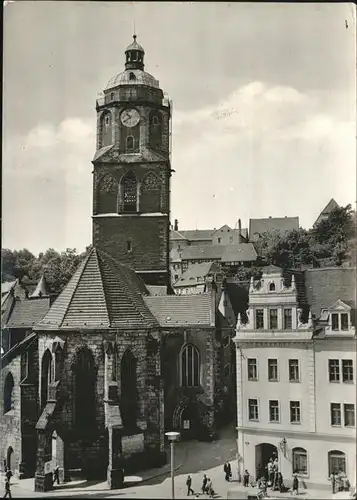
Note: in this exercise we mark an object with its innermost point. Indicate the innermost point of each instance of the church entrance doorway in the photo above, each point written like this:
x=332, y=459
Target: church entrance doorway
x=263, y=453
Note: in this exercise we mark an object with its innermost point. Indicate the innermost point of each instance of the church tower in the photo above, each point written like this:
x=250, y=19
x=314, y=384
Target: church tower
x=131, y=184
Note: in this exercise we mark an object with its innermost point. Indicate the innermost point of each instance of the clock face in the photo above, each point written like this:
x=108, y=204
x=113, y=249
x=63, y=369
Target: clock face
x=130, y=117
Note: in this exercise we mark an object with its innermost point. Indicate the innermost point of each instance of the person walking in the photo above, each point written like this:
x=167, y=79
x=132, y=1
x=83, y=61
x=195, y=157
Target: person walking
x=7, y=488
x=295, y=490
x=209, y=488
x=56, y=475
x=333, y=482
x=204, y=483
x=227, y=471
x=270, y=472
x=246, y=478
x=188, y=484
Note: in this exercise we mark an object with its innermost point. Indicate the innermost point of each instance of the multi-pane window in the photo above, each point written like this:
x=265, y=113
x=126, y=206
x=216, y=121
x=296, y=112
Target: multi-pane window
x=295, y=414
x=347, y=370
x=334, y=370
x=344, y=321
x=259, y=319
x=294, y=375
x=299, y=461
x=336, y=462
x=253, y=413
x=190, y=366
x=273, y=410
x=287, y=319
x=349, y=414
x=272, y=370
x=129, y=189
x=335, y=321
x=252, y=369
x=335, y=414
x=273, y=319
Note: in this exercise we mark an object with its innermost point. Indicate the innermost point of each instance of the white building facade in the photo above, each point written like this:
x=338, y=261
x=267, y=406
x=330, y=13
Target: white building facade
x=287, y=406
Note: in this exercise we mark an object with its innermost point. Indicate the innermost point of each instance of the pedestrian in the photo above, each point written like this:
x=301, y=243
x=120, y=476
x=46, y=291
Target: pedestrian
x=295, y=485
x=270, y=472
x=281, y=485
x=56, y=475
x=246, y=478
x=209, y=488
x=204, y=483
x=227, y=471
x=7, y=489
x=188, y=484
x=333, y=482
x=8, y=474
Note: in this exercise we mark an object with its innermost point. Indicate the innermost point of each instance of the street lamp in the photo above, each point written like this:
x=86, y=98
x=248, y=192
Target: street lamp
x=172, y=437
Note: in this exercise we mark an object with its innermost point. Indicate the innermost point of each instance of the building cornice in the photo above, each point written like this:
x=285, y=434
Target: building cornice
x=280, y=433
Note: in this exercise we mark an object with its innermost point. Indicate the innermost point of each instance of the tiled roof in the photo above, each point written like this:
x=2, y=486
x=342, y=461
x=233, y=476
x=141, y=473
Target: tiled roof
x=225, y=226
x=27, y=312
x=282, y=224
x=324, y=286
x=197, y=234
x=102, y=293
x=194, y=271
x=241, y=252
x=211, y=252
x=182, y=310
x=176, y=235
x=331, y=205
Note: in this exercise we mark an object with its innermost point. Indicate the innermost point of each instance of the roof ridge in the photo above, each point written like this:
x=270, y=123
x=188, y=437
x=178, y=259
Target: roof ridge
x=84, y=262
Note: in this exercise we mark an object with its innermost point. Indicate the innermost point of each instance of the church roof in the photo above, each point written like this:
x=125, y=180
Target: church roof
x=102, y=293
x=125, y=78
x=27, y=312
x=183, y=310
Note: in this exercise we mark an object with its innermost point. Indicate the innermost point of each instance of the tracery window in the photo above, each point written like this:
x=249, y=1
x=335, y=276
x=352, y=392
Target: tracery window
x=129, y=192
x=190, y=366
x=46, y=377
x=151, y=182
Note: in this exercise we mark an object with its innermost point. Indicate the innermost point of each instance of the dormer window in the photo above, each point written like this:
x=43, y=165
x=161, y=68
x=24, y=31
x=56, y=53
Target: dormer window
x=339, y=321
x=272, y=287
x=132, y=76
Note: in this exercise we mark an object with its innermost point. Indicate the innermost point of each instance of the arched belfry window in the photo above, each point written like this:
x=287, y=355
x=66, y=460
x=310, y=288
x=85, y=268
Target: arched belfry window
x=84, y=374
x=190, y=366
x=272, y=287
x=129, y=192
x=130, y=144
x=106, y=129
x=46, y=377
x=132, y=76
x=128, y=380
x=8, y=392
x=155, y=121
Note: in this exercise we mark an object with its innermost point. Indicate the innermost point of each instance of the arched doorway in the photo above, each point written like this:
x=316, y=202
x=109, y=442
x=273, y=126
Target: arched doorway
x=9, y=453
x=263, y=453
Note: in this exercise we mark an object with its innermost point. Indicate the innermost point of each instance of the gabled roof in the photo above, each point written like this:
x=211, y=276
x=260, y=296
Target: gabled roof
x=194, y=271
x=182, y=310
x=195, y=252
x=331, y=205
x=102, y=293
x=41, y=288
x=176, y=235
x=324, y=286
x=282, y=224
x=197, y=234
x=157, y=290
x=240, y=252
x=225, y=226
x=27, y=312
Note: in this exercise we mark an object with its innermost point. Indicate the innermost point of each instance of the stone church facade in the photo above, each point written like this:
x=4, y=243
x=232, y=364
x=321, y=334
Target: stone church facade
x=119, y=358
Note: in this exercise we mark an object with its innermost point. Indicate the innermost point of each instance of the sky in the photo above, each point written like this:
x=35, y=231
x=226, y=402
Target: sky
x=264, y=110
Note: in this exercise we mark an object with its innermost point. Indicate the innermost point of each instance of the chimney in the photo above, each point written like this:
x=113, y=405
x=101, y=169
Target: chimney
x=239, y=231
x=176, y=225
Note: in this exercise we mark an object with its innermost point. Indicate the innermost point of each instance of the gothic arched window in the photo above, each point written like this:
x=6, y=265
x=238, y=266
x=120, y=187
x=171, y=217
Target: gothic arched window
x=8, y=392
x=128, y=380
x=190, y=366
x=299, y=461
x=114, y=364
x=129, y=192
x=46, y=377
x=106, y=129
x=84, y=390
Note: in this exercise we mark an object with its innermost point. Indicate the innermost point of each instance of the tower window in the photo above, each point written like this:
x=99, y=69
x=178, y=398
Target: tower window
x=132, y=76
x=8, y=392
x=155, y=120
x=129, y=192
x=272, y=287
x=129, y=246
x=112, y=96
x=129, y=144
x=107, y=120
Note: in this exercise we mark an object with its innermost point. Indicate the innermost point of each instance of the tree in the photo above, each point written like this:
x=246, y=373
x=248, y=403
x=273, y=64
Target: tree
x=59, y=268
